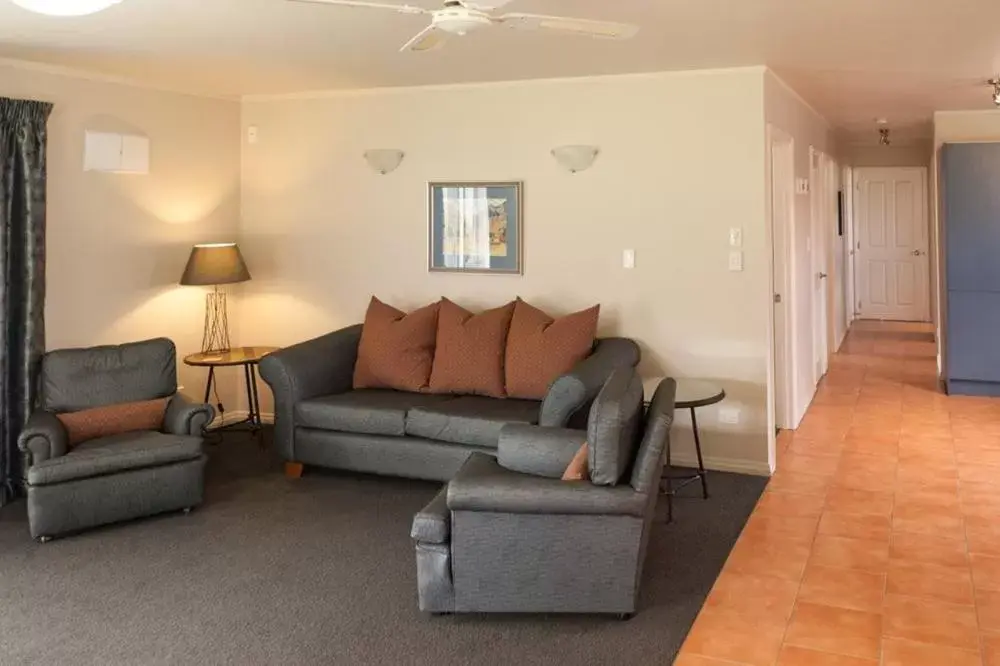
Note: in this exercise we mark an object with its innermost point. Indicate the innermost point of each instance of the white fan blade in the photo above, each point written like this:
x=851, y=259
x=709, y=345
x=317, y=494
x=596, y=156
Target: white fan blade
x=402, y=9
x=604, y=29
x=486, y=5
x=427, y=39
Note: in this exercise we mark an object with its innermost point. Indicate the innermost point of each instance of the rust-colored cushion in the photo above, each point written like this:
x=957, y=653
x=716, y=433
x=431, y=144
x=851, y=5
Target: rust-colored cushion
x=396, y=349
x=577, y=469
x=470, y=350
x=114, y=420
x=540, y=348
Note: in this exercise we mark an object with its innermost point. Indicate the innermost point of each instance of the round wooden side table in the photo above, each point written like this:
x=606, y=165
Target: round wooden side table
x=249, y=358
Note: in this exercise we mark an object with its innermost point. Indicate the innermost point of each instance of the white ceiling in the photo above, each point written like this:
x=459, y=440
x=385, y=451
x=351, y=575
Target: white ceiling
x=854, y=60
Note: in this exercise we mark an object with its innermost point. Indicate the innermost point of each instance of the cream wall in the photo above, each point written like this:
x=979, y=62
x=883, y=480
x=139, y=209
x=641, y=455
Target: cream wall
x=953, y=127
x=117, y=244
x=681, y=163
x=785, y=110
x=917, y=154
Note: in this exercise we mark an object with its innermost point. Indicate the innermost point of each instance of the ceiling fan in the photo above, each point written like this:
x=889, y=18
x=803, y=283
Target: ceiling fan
x=459, y=17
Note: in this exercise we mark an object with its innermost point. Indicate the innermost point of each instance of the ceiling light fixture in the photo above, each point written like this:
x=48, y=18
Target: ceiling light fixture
x=995, y=82
x=65, y=7
x=883, y=137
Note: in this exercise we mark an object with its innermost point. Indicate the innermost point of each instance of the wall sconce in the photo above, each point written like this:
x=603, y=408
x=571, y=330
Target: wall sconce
x=384, y=160
x=576, y=158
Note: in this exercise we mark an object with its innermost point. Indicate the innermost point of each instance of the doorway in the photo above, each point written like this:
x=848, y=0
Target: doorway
x=820, y=168
x=892, y=262
x=781, y=204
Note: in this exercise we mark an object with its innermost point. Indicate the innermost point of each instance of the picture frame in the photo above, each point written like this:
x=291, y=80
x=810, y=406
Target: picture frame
x=476, y=227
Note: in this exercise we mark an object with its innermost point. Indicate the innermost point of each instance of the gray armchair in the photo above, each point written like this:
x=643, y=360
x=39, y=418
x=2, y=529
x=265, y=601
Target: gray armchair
x=508, y=535
x=116, y=478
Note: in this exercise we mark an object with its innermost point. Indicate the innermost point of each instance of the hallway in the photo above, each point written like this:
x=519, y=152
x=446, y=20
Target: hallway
x=877, y=540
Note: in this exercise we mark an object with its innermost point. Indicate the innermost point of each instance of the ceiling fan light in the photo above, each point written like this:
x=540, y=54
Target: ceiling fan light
x=65, y=7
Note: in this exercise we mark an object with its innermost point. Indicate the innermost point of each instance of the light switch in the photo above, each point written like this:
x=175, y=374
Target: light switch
x=628, y=259
x=736, y=261
x=252, y=134
x=735, y=237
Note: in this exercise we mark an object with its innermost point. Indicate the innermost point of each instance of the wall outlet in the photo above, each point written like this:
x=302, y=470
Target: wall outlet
x=736, y=261
x=802, y=186
x=252, y=134
x=729, y=415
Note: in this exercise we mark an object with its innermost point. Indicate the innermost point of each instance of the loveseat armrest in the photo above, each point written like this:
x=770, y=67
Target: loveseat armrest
x=322, y=366
x=44, y=437
x=539, y=451
x=483, y=485
x=433, y=523
x=185, y=417
x=574, y=391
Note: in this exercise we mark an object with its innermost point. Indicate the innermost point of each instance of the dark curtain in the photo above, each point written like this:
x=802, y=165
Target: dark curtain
x=22, y=274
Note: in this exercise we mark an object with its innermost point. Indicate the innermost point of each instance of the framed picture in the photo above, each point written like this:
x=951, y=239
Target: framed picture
x=476, y=227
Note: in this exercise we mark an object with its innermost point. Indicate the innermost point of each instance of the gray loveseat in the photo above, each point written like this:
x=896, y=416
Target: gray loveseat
x=508, y=535
x=320, y=420
x=119, y=477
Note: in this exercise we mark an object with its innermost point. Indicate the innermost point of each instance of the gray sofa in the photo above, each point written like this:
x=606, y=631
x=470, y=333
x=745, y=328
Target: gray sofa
x=508, y=535
x=114, y=478
x=320, y=420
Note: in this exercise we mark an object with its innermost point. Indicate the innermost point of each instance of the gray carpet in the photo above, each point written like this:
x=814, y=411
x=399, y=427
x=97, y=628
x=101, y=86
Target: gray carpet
x=319, y=571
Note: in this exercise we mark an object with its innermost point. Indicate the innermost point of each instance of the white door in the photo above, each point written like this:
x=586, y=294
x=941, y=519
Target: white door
x=782, y=179
x=892, y=263
x=820, y=165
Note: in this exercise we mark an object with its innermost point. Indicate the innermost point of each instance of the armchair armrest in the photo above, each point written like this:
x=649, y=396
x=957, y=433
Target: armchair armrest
x=539, y=451
x=483, y=485
x=322, y=366
x=44, y=437
x=577, y=389
x=184, y=417
x=433, y=523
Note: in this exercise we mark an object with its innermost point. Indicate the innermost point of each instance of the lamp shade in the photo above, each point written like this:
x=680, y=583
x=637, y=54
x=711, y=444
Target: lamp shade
x=215, y=263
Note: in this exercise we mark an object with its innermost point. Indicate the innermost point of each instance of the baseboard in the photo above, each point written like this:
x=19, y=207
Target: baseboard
x=734, y=465
x=237, y=416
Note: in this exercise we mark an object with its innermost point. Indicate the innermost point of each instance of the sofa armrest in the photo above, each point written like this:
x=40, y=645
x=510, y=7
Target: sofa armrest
x=539, y=451
x=184, y=417
x=322, y=366
x=433, y=523
x=44, y=437
x=483, y=485
x=575, y=390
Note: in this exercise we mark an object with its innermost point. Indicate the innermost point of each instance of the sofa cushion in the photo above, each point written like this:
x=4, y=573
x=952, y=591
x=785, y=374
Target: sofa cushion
x=396, y=349
x=613, y=428
x=468, y=359
x=470, y=420
x=117, y=453
x=366, y=411
x=110, y=420
x=540, y=348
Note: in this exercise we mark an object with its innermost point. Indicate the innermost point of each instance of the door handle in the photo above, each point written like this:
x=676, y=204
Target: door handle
x=918, y=253
x=822, y=276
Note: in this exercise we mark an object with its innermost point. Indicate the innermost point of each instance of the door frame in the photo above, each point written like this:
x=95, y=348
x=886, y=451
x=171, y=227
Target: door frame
x=781, y=390
x=926, y=310
x=819, y=167
x=850, y=294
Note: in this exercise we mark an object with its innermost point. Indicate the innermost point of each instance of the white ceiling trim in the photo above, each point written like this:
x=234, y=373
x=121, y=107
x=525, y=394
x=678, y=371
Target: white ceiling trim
x=791, y=91
x=97, y=77
x=474, y=85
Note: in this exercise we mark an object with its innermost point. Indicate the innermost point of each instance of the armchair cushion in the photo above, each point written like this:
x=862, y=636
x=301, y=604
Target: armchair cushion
x=483, y=485
x=117, y=453
x=184, y=417
x=43, y=437
x=117, y=419
x=540, y=451
x=433, y=523
x=613, y=428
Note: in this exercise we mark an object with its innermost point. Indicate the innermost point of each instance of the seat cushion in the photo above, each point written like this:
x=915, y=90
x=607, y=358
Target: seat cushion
x=365, y=411
x=470, y=420
x=117, y=453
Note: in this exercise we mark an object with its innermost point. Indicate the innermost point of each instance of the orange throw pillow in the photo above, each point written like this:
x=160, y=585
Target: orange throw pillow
x=470, y=350
x=110, y=420
x=577, y=468
x=540, y=348
x=396, y=349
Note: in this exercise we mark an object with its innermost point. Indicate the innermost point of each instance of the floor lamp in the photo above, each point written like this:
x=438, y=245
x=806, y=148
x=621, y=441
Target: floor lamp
x=215, y=264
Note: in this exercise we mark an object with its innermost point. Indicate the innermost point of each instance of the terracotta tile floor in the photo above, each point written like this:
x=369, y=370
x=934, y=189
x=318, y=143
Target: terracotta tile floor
x=877, y=541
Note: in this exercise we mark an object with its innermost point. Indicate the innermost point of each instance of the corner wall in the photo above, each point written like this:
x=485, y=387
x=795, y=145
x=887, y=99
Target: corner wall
x=117, y=244
x=681, y=161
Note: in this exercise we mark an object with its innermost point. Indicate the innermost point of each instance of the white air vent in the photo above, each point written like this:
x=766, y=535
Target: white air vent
x=116, y=153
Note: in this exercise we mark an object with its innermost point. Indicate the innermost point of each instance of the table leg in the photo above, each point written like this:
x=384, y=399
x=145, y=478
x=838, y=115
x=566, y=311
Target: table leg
x=697, y=447
x=251, y=417
x=670, y=486
x=208, y=385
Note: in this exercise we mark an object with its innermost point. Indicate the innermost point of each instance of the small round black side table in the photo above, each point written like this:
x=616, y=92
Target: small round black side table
x=249, y=358
x=691, y=394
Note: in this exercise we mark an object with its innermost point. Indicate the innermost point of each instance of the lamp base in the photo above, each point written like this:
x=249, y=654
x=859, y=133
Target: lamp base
x=216, y=337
